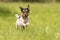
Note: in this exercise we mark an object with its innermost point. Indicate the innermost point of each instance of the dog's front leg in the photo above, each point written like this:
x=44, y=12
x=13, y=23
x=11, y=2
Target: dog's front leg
x=27, y=23
x=24, y=25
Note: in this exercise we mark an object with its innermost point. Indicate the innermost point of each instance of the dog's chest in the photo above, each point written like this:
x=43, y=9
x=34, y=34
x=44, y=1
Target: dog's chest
x=21, y=21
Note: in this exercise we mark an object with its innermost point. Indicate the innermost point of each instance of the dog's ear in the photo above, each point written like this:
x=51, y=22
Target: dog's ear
x=28, y=6
x=20, y=7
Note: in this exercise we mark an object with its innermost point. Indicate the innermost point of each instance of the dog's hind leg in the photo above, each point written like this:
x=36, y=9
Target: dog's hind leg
x=16, y=26
x=23, y=27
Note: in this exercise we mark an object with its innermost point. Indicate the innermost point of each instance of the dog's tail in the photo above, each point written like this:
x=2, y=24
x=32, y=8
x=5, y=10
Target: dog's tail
x=17, y=16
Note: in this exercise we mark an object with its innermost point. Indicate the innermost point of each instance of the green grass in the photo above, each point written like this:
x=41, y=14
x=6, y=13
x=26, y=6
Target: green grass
x=44, y=22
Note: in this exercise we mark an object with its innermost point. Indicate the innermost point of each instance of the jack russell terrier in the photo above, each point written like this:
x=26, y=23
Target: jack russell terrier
x=23, y=20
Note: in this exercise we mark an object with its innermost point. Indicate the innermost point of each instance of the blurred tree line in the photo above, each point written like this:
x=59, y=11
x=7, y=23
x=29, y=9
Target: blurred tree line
x=31, y=0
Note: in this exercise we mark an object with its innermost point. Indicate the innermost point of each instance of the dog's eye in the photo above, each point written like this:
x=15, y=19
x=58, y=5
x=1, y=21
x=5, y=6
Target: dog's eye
x=23, y=10
x=26, y=10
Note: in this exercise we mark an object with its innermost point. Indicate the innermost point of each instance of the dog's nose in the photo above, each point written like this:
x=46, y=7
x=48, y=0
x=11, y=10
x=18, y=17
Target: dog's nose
x=25, y=15
x=25, y=12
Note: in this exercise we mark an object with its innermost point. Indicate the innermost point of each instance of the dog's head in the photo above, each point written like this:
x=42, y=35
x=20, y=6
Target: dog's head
x=25, y=11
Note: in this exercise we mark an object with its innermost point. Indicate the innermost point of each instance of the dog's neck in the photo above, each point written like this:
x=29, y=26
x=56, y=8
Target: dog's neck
x=25, y=18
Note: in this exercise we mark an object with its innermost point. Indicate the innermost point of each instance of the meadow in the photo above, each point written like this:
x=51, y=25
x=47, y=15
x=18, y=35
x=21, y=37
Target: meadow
x=44, y=21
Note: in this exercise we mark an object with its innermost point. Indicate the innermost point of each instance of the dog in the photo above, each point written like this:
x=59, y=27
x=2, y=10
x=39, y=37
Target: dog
x=23, y=20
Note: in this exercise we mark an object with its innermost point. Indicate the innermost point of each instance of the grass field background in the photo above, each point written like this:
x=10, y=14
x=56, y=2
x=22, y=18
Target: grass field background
x=44, y=21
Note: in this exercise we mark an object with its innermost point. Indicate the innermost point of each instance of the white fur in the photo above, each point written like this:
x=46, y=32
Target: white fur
x=20, y=21
x=17, y=15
